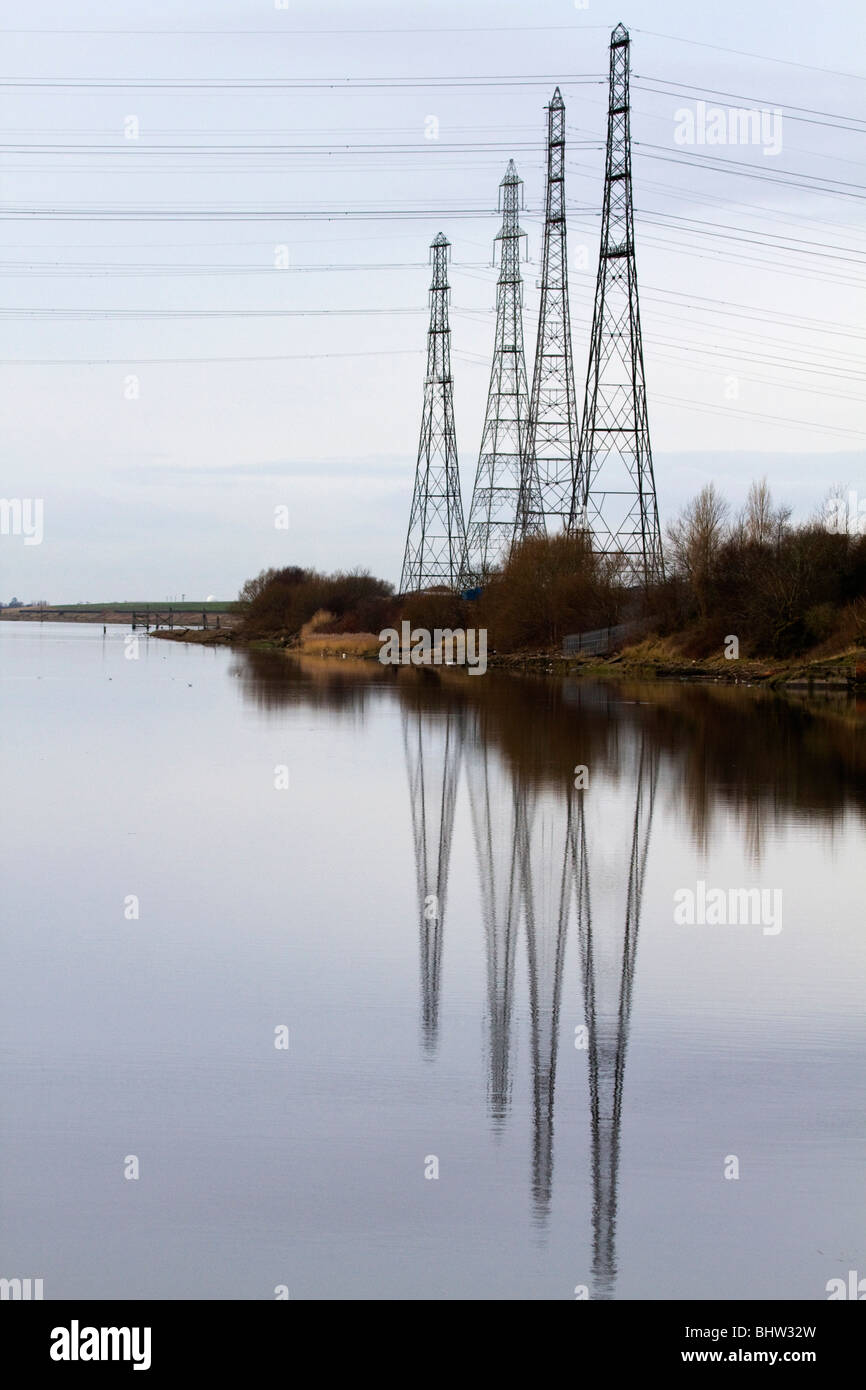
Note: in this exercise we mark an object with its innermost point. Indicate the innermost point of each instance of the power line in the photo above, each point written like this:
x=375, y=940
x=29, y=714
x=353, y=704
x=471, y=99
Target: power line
x=764, y=359
x=751, y=311
x=138, y=148
x=762, y=209
x=90, y=270
x=776, y=243
x=798, y=386
x=791, y=112
x=327, y=33
x=256, y=84
x=143, y=314
x=757, y=415
x=196, y=361
x=396, y=213
x=475, y=130
x=762, y=57
x=811, y=183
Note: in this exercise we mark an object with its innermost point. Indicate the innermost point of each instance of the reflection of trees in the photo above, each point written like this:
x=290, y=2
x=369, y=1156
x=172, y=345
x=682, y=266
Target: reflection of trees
x=756, y=755
x=273, y=681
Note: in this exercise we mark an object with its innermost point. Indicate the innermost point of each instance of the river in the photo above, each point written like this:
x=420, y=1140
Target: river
x=334, y=981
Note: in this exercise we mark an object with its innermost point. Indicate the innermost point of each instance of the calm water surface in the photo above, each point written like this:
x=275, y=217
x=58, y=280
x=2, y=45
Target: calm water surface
x=478, y=966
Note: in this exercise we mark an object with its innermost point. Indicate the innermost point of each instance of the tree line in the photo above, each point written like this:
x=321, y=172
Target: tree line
x=783, y=588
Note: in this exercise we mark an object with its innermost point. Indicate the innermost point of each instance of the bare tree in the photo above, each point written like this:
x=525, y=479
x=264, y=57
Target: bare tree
x=253, y=587
x=696, y=538
x=760, y=522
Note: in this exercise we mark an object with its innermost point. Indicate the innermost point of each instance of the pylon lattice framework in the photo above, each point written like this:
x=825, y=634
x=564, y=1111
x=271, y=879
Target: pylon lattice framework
x=619, y=497
x=494, y=508
x=435, y=541
x=553, y=447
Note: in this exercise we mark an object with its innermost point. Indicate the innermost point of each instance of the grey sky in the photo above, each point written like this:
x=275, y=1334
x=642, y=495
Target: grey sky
x=752, y=308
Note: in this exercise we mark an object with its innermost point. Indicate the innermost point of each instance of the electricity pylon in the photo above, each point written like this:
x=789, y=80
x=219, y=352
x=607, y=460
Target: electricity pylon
x=493, y=511
x=619, y=495
x=552, y=444
x=435, y=540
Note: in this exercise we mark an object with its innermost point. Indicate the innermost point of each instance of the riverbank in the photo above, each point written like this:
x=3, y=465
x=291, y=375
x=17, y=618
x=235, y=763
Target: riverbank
x=658, y=659
x=651, y=659
x=209, y=637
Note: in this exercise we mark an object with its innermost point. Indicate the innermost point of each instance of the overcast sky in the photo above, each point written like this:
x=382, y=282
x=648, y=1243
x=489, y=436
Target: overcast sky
x=165, y=384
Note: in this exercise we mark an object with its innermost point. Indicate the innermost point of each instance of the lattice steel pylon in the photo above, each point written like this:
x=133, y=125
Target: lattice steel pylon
x=550, y=474
x=494, y=509
x=619, y=497
x=435, y=541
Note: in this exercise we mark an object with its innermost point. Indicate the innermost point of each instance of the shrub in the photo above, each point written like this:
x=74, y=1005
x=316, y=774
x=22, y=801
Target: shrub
x=288, y=598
